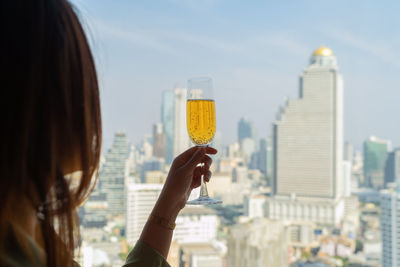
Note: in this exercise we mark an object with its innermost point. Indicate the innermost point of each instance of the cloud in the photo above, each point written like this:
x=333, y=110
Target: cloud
x=162, y=41
x=170, y=42
x=380, y=50
x=278, y=41
x=195, y=4
x=134, y=36
x=205, y=41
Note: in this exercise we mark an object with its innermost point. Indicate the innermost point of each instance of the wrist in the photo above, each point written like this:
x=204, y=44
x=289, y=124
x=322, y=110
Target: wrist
x=161, y=221
x=166, y=209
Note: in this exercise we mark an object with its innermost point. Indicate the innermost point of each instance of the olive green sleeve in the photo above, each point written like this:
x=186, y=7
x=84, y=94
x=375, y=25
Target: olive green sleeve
x=144, y=255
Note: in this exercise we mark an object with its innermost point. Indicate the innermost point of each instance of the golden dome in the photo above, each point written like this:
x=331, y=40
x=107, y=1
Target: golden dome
x=323, y=51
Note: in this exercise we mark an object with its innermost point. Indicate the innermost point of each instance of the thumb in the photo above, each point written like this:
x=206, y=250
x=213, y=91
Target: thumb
x=196, y=158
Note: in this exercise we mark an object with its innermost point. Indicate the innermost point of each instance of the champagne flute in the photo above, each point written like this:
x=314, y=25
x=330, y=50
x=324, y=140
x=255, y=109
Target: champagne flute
x=201, y=124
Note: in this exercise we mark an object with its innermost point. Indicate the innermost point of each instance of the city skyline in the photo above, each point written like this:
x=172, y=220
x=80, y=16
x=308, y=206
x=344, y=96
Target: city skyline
x=254, y=53
x=318, y=205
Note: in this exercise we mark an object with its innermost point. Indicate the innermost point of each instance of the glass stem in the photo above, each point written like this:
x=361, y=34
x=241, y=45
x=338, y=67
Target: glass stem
x=203, y=187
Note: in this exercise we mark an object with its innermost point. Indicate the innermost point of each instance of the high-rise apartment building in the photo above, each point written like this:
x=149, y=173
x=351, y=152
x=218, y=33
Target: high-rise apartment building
x=140, y=201
x=392, y=167
x=181, y=137
x=159, y=141
x=390, y=228
x=167, y=119
x=375, y=156
x=113, y=173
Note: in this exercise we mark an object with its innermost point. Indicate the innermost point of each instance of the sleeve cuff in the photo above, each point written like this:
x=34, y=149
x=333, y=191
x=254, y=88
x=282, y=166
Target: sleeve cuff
x=144, y=254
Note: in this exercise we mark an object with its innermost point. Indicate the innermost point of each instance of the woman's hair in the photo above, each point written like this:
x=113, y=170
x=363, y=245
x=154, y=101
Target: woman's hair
x=50, y=120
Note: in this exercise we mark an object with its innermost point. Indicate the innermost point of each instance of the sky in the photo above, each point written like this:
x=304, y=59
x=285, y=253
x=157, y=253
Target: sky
x=253, y=50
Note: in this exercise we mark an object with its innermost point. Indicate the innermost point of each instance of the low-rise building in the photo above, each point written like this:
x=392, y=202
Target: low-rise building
x=256, y=243
x=322, y=211
x=196, y=224
x=140, y=201
x=201, y=255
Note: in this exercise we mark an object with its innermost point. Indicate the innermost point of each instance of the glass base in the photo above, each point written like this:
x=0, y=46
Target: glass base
x=204, y=201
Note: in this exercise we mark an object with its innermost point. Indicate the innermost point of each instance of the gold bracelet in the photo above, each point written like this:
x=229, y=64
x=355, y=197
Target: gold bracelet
x=162, y=222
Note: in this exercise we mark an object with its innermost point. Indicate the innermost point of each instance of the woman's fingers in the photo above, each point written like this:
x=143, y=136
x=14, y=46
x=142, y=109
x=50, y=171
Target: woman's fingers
x=211, y=150
x=207, y=176
x=189, y=154
x=198, y=171
x=196, y=177
x=196, y=158
x=207, y=161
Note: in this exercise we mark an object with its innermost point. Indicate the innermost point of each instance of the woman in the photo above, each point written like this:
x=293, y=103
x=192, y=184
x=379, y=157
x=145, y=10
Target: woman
x=51, y=126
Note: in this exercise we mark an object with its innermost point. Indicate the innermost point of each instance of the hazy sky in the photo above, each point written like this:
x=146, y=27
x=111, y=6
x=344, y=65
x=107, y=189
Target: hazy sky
x=253, y=50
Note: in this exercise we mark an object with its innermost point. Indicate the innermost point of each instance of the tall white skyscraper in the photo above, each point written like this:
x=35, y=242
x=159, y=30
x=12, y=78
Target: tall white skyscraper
x=181, y=137
x=308, y=147
x=390, y=228
x=167, y=119
x=308, y=133
x=140, y=202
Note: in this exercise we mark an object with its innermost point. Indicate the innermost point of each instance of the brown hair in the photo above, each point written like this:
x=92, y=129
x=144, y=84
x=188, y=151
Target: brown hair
x=50, y=116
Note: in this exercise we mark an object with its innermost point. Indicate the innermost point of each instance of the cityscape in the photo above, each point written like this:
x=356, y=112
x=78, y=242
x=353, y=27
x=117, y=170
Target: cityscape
x=300, y=195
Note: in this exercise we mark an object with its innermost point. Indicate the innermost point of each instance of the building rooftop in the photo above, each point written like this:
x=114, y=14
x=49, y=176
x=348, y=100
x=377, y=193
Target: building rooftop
x=323, y=51
x=190, y=210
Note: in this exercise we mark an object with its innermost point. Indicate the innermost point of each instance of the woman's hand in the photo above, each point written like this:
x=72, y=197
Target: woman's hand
x=183, y=176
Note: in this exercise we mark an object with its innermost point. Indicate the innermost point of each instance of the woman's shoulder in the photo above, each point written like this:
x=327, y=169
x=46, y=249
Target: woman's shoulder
x=16, y=256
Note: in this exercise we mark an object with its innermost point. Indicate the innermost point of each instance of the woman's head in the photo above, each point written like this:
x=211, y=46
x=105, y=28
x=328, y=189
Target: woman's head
x=50, y=117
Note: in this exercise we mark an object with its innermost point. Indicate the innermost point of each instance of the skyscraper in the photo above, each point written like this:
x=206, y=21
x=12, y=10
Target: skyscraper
x=308, y=147
x=348, y=152
x=181, y=137
x=159, y=141
x=167, y=119
x=375, y=156
x=265, y=157
x=392, y=167
x=245, y=129
x=248, y=147
x=112, y=175
x=308, y=133
x=390, y=228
